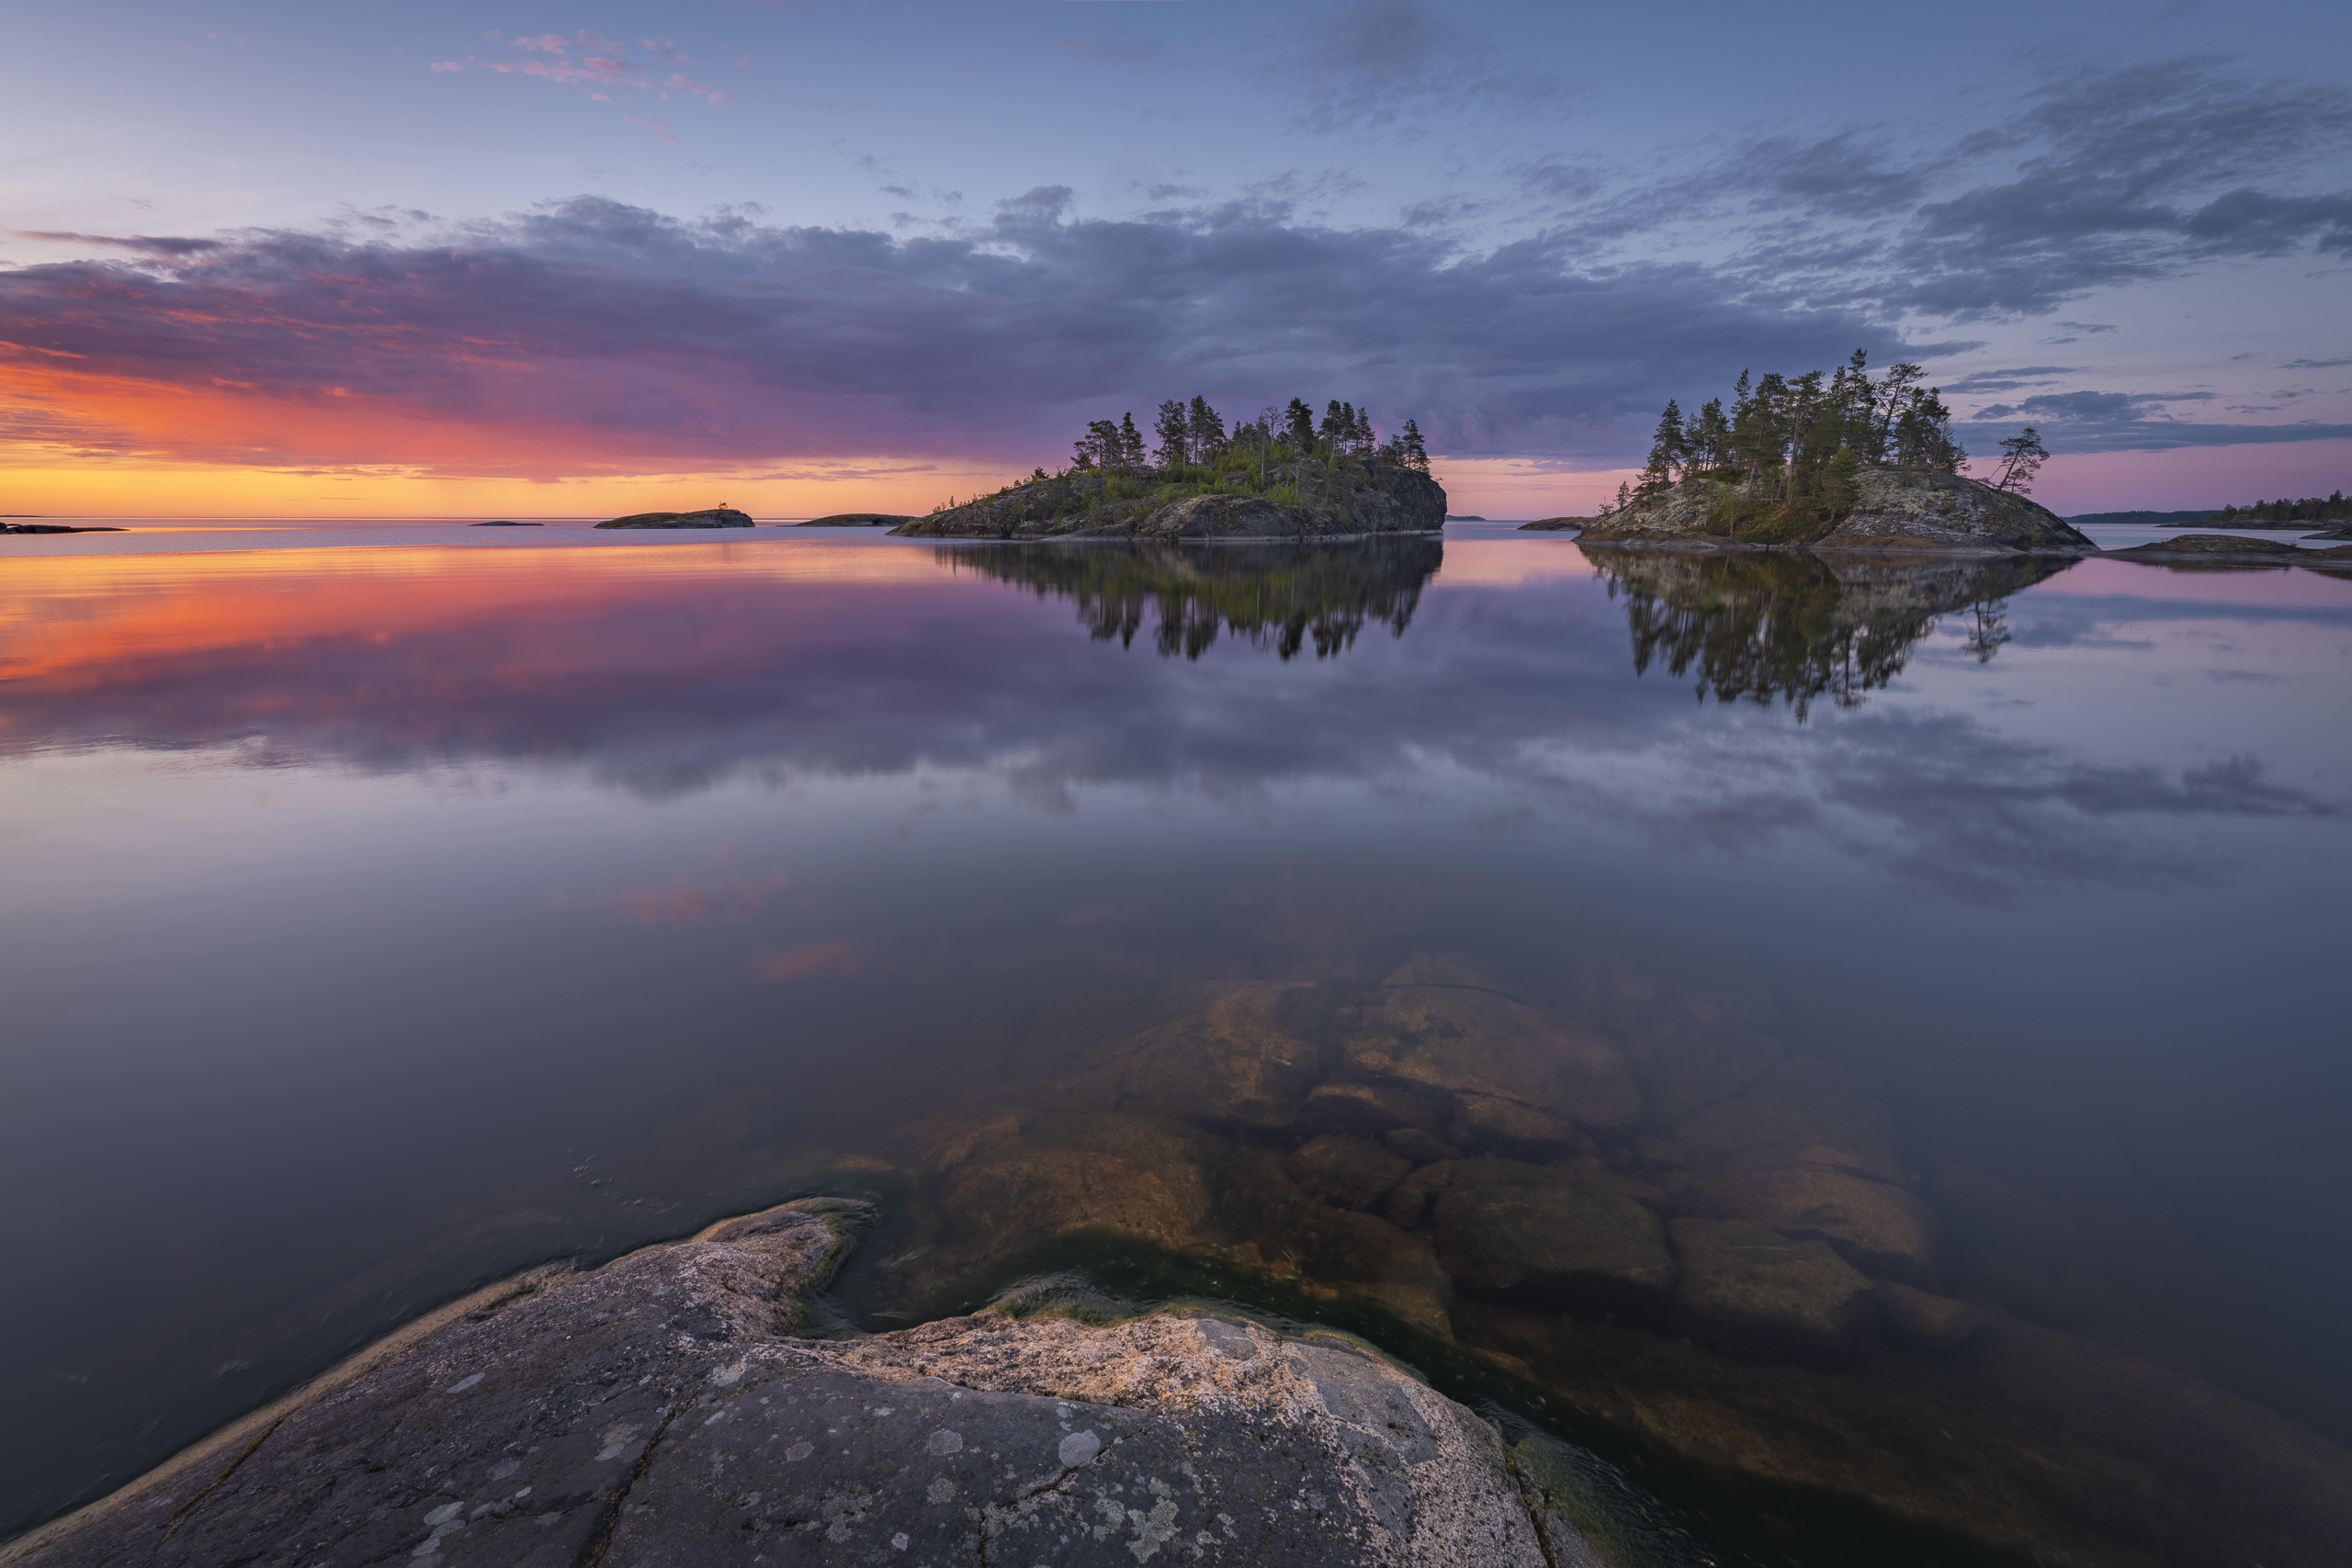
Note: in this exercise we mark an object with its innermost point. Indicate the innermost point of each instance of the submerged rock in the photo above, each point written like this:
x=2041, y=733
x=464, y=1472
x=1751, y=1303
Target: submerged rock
x=1929, y=1321
x=1516, y=1075
x=660, y=1409
x=1752, y=1292
x=1235, y=1056
x=1501, y=1224
x=1347, y=1171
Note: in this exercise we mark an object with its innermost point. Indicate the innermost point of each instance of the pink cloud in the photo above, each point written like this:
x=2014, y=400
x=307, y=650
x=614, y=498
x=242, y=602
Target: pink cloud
x=655, y=126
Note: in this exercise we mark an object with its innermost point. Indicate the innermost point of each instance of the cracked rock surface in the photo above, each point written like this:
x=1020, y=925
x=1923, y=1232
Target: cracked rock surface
x=660, y=1410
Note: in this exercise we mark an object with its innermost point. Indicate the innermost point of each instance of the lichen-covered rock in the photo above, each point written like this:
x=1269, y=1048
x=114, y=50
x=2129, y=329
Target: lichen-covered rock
x=1584, y=1242
x=1895, y=510
x=1752, y=1292
x=658, y=1410
x=1903, y=509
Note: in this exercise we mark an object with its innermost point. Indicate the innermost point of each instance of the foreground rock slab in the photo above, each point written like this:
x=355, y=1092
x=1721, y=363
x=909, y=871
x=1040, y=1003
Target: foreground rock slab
x=660, y=1409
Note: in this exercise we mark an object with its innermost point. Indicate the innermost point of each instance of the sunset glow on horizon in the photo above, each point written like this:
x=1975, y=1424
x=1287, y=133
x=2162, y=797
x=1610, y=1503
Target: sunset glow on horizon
x=576, y=270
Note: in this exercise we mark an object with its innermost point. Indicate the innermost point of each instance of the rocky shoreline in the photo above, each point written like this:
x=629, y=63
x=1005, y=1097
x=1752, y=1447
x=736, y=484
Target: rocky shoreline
x=667, y=1407
x=1894, y=510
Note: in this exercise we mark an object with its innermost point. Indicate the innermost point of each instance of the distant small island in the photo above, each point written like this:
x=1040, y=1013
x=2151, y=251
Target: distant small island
x=709, y=517
x=2311, y=511
x=858, y=520
x=1279, y=475
x=1835, y=461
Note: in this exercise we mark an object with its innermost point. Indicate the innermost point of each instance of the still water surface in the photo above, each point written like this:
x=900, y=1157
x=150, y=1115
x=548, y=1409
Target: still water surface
x=1252, y=923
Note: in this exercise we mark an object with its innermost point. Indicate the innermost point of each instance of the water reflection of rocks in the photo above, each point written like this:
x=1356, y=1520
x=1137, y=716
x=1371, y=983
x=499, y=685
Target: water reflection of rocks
x=1276, y=595
x=1694, y=1240
x=1795, y=628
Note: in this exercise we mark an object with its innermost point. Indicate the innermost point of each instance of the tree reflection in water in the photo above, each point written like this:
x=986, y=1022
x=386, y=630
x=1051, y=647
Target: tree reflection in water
x=1793, y=627
x=1276, y=595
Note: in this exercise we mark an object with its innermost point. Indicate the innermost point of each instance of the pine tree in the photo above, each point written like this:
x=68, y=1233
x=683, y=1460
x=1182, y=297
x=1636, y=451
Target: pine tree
x=1174, y=428
x=1667, y=448
x=1336, y=425
x=1711, y=437
x=1101, y=446
x=1410, y=450
x=2022, y=455
x=1130, y=443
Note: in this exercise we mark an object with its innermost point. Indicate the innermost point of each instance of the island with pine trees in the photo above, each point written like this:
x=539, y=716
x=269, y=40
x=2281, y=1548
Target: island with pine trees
x=1280, y=476
x=1840, y=461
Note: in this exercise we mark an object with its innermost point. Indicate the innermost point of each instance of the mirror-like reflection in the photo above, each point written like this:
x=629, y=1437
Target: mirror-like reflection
x=1906, y=1133
x=1277, y=597
x=1759, y=627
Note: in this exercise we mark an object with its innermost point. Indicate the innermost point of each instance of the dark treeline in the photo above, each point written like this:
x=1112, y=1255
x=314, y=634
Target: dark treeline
x=1789, y=447
x=2310, y=509
x=1195, y=436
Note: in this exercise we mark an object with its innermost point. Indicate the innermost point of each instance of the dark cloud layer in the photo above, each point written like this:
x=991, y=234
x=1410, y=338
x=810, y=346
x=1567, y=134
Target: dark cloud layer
x=603, y=337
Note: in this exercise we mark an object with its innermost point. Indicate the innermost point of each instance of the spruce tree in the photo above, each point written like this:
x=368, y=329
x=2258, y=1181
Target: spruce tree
x=1130, y=442
x=1174, y=430
x=1666, y=448
x=1206, y=428
x=1298, y=426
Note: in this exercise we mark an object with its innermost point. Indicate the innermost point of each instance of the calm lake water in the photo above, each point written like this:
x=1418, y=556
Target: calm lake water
x=377, y=921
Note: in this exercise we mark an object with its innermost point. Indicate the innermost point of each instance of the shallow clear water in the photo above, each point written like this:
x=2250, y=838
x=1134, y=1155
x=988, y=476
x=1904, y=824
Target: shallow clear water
x=376, y=921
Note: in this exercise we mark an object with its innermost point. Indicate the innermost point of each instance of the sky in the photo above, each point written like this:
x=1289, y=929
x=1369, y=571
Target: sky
x=576, y=259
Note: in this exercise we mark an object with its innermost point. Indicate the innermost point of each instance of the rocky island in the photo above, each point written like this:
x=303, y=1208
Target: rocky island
x=1841, y=463
x=1274, y=477
x=709, y=517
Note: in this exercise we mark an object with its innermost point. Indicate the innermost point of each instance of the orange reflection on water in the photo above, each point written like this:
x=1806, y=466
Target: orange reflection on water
x=70, y=619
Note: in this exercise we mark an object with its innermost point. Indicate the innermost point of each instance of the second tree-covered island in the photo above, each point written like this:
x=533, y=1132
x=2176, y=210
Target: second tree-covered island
x=1280, y=476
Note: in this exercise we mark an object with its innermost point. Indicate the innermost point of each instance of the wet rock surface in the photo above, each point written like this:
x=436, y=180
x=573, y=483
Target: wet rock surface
x=660, y=1410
